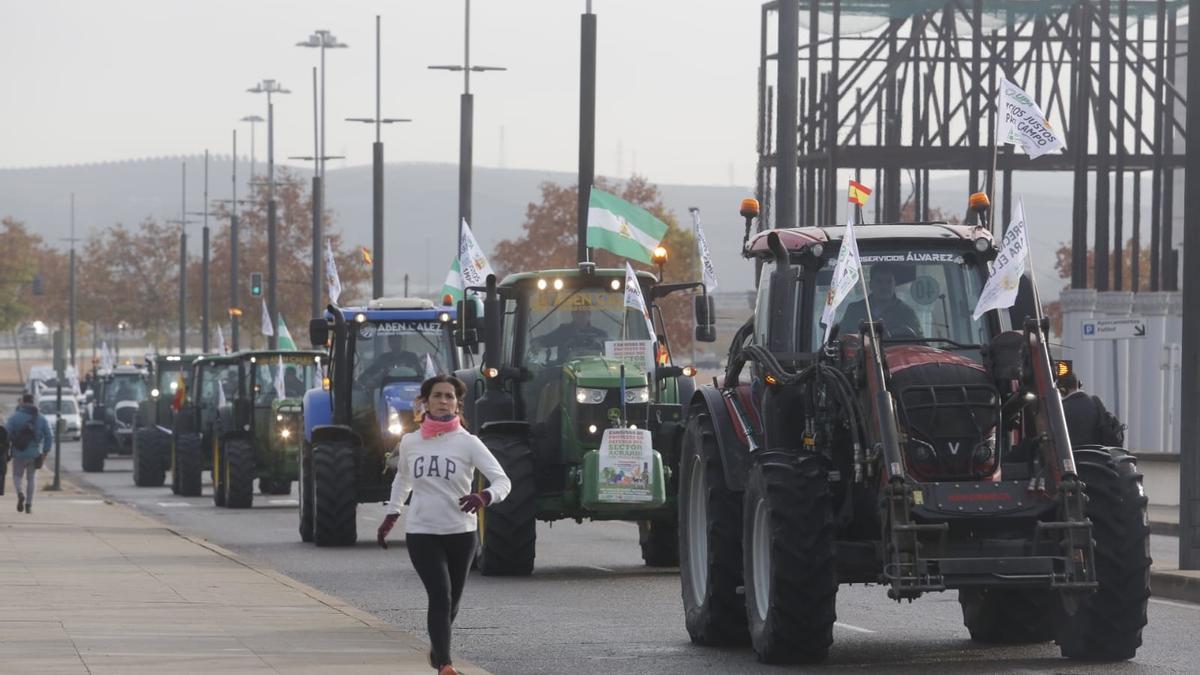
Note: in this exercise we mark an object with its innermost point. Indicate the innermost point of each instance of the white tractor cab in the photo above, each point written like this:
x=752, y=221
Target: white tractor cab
x=72, y=423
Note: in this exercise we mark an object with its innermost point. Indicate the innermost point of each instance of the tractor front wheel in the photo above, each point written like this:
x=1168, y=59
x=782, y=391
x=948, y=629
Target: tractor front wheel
x=148, y=470
x=660, y=543
x=710, y=541
x=238, y=475
x=189, y=464
x=335, y=494
x=789, y=558
x=1107, y=625
x=507, y=531
x=305, y=483
x=95, y=447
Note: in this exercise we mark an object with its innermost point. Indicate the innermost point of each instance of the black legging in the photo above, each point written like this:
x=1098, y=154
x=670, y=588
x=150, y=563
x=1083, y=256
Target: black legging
x=442, y=561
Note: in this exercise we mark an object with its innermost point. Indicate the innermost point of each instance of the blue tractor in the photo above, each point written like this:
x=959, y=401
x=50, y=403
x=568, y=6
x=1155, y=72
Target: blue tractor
x=378, y=356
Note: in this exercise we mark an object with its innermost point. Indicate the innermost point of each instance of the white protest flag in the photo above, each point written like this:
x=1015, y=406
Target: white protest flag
x=1000, y=291
x=221, y=400
x=105, y=357
x=331, y=274
x=220, y=341
x=1020, y=122
x=430, y=369
x=634, y=299
x=472, y=263
x=709, y=273
x=267, y=328
x=846, y=274
x=280, y=391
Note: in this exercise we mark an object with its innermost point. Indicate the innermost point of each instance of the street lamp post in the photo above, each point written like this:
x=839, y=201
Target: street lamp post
x=587, y=127
x=71, y=282
x=377, y=175
x=252, y=119
x=269, y=87
x=204, y=265
x=322, y=40
x=183, y=223
x=235, y=309
x=466, y=124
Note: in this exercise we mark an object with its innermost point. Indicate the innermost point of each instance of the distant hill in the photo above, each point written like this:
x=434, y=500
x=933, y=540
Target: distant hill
x=421, y=207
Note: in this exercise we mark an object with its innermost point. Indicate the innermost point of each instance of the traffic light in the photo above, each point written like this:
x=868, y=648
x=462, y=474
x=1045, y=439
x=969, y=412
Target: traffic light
x=256, y=284
x=39, y=285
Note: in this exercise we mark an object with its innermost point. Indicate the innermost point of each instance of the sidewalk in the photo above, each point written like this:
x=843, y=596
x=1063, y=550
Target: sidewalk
x=1166, y=579
x=91, y=586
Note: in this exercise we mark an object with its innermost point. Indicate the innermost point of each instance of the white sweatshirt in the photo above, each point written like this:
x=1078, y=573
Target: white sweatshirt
x=439, y=471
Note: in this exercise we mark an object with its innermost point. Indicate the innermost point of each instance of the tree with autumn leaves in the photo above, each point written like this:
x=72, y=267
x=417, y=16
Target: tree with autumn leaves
x=130, y=275
x=548, y=241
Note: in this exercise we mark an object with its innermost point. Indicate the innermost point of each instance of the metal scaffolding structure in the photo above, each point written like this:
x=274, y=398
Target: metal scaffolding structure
x=892, y=91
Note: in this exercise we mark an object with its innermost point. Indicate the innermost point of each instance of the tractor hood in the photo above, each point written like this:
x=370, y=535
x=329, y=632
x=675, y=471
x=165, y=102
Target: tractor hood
x=603, y=372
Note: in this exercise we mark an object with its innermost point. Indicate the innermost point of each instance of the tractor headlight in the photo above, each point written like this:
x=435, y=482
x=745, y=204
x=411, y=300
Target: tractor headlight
x=637, y=395
x=589, y=396
x=285, y=433
x=153, y=393
x=395, y=426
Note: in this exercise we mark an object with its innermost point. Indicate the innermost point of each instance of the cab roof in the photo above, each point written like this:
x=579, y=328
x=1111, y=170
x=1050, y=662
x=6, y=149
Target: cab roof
x=797, y=238
x=573, y=272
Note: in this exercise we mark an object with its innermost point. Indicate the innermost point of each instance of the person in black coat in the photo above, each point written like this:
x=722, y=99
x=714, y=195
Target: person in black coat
x=1088, y=421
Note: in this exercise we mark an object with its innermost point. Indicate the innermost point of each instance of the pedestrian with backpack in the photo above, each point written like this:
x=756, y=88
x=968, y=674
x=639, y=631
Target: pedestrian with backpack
x=438, y=465
x=1088, y=421
x=30, y=438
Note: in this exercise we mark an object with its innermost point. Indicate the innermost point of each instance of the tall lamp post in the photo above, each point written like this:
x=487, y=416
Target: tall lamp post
x=322, y=40
x=466, y=123
x=235, y=308
x=587, y=126
x=71, y=283
x=204, y=265
x=183, y=222
x=377, y=174
x=269, y=87
x=253, y=120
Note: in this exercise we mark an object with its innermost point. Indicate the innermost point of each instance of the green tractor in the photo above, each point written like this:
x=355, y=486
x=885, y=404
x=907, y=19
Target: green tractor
x=110, y=426
x=155, y=419
x=244, y=422
x=567, y=365
x=259, y=434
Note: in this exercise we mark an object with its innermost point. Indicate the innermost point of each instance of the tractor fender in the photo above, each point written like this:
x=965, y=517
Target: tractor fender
x=515, y=428
x=318, y=411
x=735, y=454
x=334, y=433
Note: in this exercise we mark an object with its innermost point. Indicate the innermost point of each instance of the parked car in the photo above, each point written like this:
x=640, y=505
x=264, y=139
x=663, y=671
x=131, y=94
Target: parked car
x=48, y=406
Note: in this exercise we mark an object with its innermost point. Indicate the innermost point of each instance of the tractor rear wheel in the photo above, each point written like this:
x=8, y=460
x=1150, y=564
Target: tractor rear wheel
x=237, y=477
x=507, y=531
x=305, y=484
x=789, y=558
x=710, y=540
x=95, y=447
x=189, y=464
x=335, y=494
x=660, y=543
x=148, y=470
x=218, y=472
x=1107, y=625
x=1008, y=616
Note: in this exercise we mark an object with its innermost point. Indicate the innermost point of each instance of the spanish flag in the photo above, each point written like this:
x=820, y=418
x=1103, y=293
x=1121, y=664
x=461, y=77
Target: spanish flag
x=366, y=255
x=177, y=402
x=858, y=193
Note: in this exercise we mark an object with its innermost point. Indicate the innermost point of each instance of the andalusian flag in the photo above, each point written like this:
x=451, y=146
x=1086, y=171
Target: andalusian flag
x=453, y=286
x=285, y=336
x=620, y=227
x=858, y=193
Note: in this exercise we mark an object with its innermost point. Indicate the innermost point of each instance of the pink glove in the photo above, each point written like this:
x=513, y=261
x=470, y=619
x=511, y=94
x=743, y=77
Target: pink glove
x=386, y=526
x=475, y=501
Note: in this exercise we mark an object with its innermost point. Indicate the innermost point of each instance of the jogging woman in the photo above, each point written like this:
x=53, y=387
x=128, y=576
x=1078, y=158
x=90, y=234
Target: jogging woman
x=437, y=465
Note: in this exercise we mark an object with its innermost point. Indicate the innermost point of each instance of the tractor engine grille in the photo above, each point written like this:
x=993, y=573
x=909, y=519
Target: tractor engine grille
x=949, y=412
x=125, y=415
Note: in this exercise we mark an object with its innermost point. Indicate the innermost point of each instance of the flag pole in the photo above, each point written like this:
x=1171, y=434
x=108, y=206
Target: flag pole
x=995, y=152
x=1037, y=297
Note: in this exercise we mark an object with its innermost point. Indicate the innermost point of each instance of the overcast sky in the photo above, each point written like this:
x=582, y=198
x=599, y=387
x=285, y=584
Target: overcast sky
x=99, y=80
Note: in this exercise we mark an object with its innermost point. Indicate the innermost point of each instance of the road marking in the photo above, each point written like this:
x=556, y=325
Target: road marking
x=853, y=628
x=85, y=501
x=289, y=502
x=1184, y=605
x=167, y=505
x=602, y=569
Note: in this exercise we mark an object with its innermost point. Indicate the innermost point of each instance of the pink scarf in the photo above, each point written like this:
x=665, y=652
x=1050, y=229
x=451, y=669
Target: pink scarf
x=431, y=427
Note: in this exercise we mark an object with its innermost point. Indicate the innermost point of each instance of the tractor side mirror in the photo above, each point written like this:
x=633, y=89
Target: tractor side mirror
x=318, y=333
x=706, y=316
x=467, y=333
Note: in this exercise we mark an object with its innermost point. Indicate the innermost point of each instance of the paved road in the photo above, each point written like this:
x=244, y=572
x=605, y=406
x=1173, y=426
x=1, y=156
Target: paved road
x=591, y=606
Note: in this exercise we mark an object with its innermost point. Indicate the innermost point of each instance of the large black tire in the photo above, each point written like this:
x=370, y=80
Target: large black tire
x=148, y=468
x=279, y=487
x=789, y=558
x=237, y=478
x=173, y=462
x=660, y=543
x=218, y=473
x=95, y=447
x=508, y=530
x=1009, y=616
x=305, y=486
x=189, y=463
x=335, y=494
x=710, y=540
x=1107, y=625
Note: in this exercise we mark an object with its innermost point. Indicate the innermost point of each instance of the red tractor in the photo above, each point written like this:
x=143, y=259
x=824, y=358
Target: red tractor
x=915, y=448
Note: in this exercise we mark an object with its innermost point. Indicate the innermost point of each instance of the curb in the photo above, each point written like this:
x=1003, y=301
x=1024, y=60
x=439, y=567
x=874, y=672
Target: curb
x=1175, y=586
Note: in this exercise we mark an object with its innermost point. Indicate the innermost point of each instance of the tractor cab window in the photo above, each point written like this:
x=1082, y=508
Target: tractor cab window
x=291, y=375
x=168, y=379
x=919, y=295
x=124, y=388
x=400, y=350
x=215, y=381
x=570, y=323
